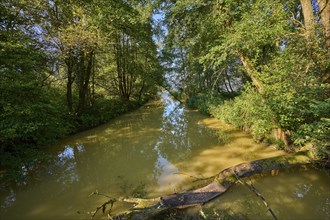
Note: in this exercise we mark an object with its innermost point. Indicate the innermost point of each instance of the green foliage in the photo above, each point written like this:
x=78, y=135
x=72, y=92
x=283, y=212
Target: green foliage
x=60, y=71
x=317, y=135
x=265, y=43
x=30, y=115
x=204, y=102
x=30, y=112
x=247, y=111
x=101, y=112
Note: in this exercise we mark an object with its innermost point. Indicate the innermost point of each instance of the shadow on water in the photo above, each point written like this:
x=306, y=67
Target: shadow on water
x=297, y=193
x=150, y=152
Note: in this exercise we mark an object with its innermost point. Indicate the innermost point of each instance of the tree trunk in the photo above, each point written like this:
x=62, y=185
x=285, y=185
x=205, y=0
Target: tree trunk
x=141, y=91
x=84, y=80
x=70, y=80
x=279, y=134
x=221, y=183
x=228, y=79
x=251, y=72
x=309, y=21
x=93, y=80
x=324, y=6
x=228, y=177
x=122, y=66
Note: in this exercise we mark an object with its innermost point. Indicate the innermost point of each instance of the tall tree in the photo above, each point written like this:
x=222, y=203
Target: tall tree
x=264, y=39
x=324, y=8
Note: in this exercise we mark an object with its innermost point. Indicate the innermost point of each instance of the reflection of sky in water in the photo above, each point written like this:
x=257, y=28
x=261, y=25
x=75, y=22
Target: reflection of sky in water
x=67, y=160
x=166, y=171
x=170, y=104
x=9, y=199
x=173, y=134
x=66, y=154
x=302, y=190
x=174, y=125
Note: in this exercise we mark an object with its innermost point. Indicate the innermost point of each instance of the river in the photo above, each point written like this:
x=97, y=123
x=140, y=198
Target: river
x=159, y=149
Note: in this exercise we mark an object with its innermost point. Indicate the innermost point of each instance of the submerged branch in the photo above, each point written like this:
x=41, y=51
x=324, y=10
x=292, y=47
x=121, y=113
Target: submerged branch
x=104, y=206
x=110, y=201
x=253, y=189
x=145, y=208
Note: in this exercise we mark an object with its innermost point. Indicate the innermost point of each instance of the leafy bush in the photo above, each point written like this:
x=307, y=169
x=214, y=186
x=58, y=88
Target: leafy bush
x=247, y=111
x=317, y=135
x=31, y=116
x=203, y=102
x=102, y=111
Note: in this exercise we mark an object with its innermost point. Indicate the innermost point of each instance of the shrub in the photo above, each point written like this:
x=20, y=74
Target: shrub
x=204, y=102
x=102, y=111
x=247, y=111
x=316, y=135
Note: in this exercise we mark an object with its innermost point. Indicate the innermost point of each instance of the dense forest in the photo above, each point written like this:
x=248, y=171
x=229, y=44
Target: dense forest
x=66, y=66
x=69, y=65
x=261, y=65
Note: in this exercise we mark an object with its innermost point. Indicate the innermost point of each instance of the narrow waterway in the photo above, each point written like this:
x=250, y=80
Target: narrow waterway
x=159, y=149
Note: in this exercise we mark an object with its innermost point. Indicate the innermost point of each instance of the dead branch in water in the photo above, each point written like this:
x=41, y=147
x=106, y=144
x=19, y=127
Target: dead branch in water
x=257, y=193
x=145, y=208
x=110, y=201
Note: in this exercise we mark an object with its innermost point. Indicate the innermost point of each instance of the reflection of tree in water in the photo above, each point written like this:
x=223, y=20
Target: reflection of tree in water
x=104, y=157
x=173, y=138
x=174, y=129
x=9, y=199
x=68, y=159
x=139, y=146
x=181, y=133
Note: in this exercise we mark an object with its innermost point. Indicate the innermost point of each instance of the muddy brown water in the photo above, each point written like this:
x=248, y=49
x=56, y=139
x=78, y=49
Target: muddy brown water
x=159, y=149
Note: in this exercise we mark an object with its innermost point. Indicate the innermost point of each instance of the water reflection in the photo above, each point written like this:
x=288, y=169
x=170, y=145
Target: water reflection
x=9, y=199
x=302, y=190
x=68, y=159
x=165, y=173
x=148, y=147
x=292, y=194
x=174, y=124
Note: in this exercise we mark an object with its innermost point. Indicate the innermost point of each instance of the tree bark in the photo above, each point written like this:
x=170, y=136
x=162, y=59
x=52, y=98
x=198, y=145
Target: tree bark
x=307, y=9
x=324, y=6
x=70, y=80
x=250, y=71
x=228, y=177
x=84, y=79
x=145, y=208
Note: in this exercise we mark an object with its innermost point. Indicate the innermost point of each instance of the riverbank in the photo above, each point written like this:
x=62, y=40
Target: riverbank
x=250, y=112
x=158, y=149
x=25, y=151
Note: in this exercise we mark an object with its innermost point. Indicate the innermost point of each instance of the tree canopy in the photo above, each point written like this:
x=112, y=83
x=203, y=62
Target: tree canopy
x=68, y=65
x=71, y=65
x=275, y=54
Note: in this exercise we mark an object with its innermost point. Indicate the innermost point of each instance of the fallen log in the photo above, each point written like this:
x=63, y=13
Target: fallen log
x=228, y=177
x=145, y=208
